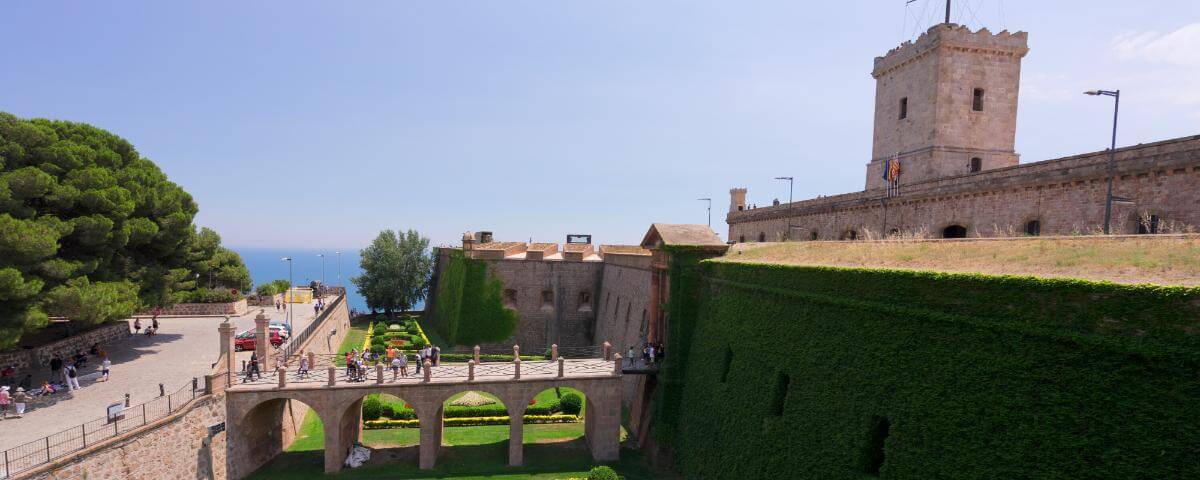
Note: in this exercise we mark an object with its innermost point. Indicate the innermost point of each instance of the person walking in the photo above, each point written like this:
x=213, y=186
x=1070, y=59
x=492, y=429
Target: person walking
x=252, y=367
x=395, y=368
x=105, y=363
x=302, y=372
x=403, y=364
x=72, y=377
x=56, y=365
x=137, y=326
x=418, y=355
x=19, y=400
x=4, y=399
x=350, y=361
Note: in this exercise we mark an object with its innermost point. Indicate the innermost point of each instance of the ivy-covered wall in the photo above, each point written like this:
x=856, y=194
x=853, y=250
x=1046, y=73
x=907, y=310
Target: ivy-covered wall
x=469, y=307
x=813, y=372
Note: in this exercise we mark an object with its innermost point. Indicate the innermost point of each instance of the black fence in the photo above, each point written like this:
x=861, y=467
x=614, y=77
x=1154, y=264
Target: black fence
x=39, y=452
x=295, y=342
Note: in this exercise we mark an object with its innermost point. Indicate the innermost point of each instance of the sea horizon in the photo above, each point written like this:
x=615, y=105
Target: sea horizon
x=266, y=264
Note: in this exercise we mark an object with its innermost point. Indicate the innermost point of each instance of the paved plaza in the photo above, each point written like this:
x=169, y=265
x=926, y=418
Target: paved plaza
x=184, y=348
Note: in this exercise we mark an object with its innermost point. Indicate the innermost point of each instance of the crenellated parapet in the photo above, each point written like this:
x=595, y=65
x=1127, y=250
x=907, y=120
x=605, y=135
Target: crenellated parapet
x=952, y=36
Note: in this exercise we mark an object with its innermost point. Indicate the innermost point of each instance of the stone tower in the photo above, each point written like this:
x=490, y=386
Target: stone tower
x=737, y=199
x=947, y=104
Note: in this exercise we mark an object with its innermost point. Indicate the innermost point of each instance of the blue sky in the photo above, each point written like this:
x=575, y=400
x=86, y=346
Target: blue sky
x=316, y=124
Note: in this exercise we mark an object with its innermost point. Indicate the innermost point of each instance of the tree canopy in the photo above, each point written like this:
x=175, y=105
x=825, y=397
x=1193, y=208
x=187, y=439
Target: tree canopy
x=396, y=270
x=92, y=231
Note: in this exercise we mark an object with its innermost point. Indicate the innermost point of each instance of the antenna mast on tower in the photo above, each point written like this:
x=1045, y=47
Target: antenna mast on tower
x=947, y=11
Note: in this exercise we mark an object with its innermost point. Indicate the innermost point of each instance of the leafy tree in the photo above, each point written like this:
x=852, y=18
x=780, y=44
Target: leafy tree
x=396, y=270
x=91, y=230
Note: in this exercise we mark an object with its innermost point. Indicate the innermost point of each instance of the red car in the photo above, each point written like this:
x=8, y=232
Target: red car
x=246, y=340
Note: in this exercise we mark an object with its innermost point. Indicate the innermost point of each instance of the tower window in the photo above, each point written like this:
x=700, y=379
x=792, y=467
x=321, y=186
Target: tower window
x=547, y=298
x=977, y=102
x=762, y=236
x=812, y=235
x=976, y=164
x=741, y=239
x=904, y=108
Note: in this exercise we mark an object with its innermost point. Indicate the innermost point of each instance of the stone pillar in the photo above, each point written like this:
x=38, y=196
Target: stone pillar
x=553, y=351
x=262, y=341
x=470, y=370
x=431, y=435
x=516, y=369
x=379, y=374
x=332, y=375
x=602, y=423
x=516, y=437
x=282, y=371
x=427, y=365
x=617, y=364
x=477, y=354
x=607, y=351
x=334, y=455
x=561, y=364
x=225, y=331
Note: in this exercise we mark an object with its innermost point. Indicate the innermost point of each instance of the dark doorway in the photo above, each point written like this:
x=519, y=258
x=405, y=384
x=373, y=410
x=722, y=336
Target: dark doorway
x=1033, y=228
x=874, y=453
x=1148, y=225
x=954, y=231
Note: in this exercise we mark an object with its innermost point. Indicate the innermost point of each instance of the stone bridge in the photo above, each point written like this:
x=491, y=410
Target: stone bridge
x=256, y=409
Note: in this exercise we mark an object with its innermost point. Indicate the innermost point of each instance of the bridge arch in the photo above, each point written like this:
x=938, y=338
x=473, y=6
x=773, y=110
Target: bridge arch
x=270, y=426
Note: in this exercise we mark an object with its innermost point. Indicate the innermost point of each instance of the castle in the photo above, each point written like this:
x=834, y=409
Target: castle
x=943, y=162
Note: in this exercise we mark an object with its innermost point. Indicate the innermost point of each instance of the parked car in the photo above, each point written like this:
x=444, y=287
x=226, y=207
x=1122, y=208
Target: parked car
x=287, y=329
x=280, y=330
x=247, y=340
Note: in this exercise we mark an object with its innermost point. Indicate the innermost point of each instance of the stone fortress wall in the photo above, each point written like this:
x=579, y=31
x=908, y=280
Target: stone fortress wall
x=1065, y=196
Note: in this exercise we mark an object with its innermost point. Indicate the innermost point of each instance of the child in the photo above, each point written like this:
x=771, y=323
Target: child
x=104, y=364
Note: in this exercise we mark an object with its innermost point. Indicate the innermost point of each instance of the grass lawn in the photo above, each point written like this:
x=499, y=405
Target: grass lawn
x=552, y=451
x=1164, y=260
x=354, y=340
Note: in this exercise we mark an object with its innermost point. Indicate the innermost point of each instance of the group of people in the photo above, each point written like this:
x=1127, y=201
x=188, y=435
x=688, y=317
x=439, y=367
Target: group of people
x=393, y=358
x=651, y=353
x=65, y=373
x=280, y=306
x=318, y=306
x=151, y=330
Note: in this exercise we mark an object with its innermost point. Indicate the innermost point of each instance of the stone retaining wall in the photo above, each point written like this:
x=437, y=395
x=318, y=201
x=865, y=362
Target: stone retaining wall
x=235, y=309
x=176, y=447
x=40, y=356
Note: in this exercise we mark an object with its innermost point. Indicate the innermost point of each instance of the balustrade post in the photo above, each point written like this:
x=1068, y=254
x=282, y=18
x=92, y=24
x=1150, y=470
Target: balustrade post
x=516, y=352
x=312, y=361
x=332, y=375
x=516, y=368
x=282, y=376
x=477, y=354
x=553, y=351
x=427, y=365
x=561, y=363
x=617, y=364
x=607, y=351
x=470, y=370
x=379, y=374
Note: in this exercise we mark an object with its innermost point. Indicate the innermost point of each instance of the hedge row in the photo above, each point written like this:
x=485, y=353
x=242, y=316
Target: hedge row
x=374, y=409
x=902, y=374
x=469, y=308
x=470, y=421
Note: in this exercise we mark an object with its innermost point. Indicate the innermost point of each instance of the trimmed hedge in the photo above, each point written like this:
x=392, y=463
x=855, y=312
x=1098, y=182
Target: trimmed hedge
x=470, y=421
x=469, y=307
x=903, y=374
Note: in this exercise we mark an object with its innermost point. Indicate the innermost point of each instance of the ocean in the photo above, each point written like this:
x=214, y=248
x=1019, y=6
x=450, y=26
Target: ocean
x=265, y=264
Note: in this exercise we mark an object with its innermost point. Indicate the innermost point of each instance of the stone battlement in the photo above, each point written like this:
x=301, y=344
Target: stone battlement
x=954, y=36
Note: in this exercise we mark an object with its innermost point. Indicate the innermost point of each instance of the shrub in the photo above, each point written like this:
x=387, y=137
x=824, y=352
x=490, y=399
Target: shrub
x=602, y=473
x=469, y=421
x=395, y=327
x=205, y=295
x=571, y=404
x=372, y=408
x=266, y=290
x=387, y=410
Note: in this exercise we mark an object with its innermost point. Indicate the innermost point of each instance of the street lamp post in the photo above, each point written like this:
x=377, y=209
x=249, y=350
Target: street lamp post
x=289, y=296
x=790, y=183
x=1112, y=155
x=322, y=255
x=339, y=263
x=709, y=200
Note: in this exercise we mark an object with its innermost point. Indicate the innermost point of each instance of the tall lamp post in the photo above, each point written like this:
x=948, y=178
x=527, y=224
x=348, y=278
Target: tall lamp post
x=288, y=295
x=322, y=255
x=790, y=183
x=709, y=200
x=1112, y=155
x=339, y=263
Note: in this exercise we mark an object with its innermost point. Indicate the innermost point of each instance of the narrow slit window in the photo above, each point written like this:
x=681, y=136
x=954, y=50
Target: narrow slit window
x=977, y=100
x=976, y=164
x=779, y=399
x=728, y=360
x=874, y=451
x=904, y=108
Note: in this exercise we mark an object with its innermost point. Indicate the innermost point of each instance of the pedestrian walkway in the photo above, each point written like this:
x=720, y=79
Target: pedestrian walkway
x=185, y=347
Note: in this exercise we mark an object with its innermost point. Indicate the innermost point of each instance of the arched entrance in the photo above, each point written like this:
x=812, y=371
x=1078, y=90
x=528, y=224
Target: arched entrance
x=279, y=429
x=476, y=428
x=555, y=422
x=954, y=231
x=390, y=428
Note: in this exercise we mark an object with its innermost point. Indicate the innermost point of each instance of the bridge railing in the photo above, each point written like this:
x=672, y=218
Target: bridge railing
x=327, y=369
x=31, y=455
x=296, y=342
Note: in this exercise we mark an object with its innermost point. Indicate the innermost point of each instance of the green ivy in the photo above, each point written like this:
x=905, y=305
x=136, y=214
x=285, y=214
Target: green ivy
x=469, y=307
x=927, y=375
